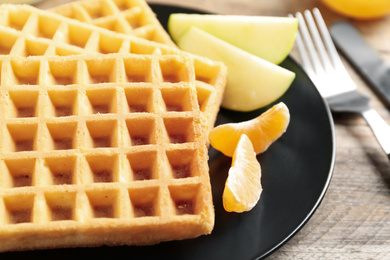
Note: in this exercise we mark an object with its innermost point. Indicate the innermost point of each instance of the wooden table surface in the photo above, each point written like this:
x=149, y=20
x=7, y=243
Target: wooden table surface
x=353, y=220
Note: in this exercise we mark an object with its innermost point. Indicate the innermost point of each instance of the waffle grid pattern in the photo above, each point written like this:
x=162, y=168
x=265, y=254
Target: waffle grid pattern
x=133, y=17
x=28, y=31
x=79, y=150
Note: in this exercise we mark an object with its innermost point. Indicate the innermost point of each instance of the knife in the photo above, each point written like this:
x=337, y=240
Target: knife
x=363, y=58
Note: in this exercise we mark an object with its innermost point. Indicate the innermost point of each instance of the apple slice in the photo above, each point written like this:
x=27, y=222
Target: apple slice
x=268, y=37
x=252, y=82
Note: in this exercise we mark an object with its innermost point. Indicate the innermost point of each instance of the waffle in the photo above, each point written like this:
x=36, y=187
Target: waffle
x=28, y=31
x=89, y=157
x=100, y=149
x=133, y=17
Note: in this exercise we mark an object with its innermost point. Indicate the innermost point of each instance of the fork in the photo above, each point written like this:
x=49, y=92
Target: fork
x=324, y=67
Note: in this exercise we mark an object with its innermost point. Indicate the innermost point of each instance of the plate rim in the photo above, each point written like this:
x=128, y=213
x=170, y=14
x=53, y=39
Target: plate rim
x=330, y=171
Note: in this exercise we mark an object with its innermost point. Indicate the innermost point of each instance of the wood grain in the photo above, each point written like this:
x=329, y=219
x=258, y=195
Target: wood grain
x=353, y=221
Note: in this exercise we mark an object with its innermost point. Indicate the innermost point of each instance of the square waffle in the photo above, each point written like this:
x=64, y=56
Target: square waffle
x=100, y=149
x=28, y=31
x=133, y=17
x=90, y=157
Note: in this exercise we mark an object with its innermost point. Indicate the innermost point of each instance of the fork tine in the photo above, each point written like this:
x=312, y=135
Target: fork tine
x=309, y=58
x=302, y=52
x=318, y=40
x=306, y=39
x=337, y=63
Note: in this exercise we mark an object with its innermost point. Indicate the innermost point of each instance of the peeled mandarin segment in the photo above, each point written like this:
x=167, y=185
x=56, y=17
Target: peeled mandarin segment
x=243, y=185
x=262, y=131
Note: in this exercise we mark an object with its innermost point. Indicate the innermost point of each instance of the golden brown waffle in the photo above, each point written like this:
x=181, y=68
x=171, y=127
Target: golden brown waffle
x=95, y=151
x=100, y=149
x=28, y=31
x=133, y=17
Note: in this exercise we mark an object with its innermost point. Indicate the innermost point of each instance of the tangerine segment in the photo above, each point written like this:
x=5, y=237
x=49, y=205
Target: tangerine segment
x=262, y=131
x=243, y=185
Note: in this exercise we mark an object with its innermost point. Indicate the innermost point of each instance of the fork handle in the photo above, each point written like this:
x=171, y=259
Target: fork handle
x=380, y=129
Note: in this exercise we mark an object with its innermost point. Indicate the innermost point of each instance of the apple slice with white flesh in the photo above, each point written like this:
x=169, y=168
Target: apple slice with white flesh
x=268, y=37
x=252, y=82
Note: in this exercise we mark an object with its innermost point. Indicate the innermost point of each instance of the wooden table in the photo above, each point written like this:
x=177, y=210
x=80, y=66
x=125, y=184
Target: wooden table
x=353, y=221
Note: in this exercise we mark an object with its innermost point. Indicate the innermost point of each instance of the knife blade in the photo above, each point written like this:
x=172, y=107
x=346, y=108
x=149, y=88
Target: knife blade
x=367, y=62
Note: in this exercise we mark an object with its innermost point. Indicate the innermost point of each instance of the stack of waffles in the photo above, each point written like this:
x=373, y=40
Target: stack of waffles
x=103, y=133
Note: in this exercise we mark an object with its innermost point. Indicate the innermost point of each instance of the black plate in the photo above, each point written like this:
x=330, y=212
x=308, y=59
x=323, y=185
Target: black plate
x=296, y=171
